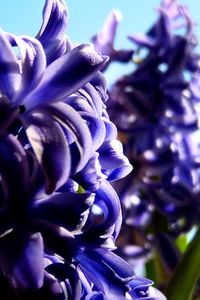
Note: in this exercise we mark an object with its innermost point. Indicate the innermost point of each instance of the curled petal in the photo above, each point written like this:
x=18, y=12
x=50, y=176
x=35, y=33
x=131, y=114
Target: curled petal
x=50, y=147
x=104, y=220
x=113, y=162
x=140, y=289
x=68, y=117
x=109, y=273
x=32, y=63
x=52, y=31
x=90, y=177
x=93, y=98
x=10, y=78
x=97, y=129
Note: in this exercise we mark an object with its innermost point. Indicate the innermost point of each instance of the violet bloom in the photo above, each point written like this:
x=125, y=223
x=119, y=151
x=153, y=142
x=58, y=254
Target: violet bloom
x=59, y=215
x=155, y=110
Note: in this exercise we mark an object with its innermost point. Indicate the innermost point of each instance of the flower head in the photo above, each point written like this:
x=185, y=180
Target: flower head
x=158, y=119
x=59, y=215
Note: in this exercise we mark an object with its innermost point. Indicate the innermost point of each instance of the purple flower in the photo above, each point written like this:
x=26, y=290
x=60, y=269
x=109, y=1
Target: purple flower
x=158, y=119
x=59, y=215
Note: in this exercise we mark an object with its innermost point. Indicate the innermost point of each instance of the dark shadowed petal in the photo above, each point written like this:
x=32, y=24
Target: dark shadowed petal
x=58, y=239
x=13, y=161
x=68, y=275
x=66, y=75
x=10, y=78
x=8, y=113
x=21, y=260
x=64, y=209
x=50, y=147
x=52, y=31
x=51, y=290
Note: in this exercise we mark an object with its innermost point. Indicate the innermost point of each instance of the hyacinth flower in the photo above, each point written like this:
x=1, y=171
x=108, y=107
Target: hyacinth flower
x=156, y=111
x=59, y=215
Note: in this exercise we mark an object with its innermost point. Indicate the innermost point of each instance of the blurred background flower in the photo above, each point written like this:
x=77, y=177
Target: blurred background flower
x=156, y=110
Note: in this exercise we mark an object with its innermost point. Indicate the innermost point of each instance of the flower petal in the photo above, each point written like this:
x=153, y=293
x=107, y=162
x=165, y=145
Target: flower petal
x=10, y=77
x=97, y=129
x=24, y=266
x=52, y=31
x=32, y=63
x=113, y=162
x=64, y=209
x=107, y=271
x=50, y=147
x=66, y=75
x=13, y=161
x=67, y=116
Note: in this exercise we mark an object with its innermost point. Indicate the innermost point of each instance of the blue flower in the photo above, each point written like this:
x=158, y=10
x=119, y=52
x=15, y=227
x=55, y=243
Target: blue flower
x=155, y=109
x=104, y=40
x=59, y=215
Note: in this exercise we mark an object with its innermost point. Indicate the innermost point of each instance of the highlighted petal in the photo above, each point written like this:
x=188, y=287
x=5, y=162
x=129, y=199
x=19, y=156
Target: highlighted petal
x=52, y=31
x=66, y=75
x=9, y=69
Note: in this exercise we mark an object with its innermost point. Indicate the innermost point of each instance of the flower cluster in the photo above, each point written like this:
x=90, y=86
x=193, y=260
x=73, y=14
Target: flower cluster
x=156, y=110
x=59, y=215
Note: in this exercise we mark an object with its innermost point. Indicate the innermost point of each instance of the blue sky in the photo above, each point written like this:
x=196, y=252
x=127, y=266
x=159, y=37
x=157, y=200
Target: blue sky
x=87, y=16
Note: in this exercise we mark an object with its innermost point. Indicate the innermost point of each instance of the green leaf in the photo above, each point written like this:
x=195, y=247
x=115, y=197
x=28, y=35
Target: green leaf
x=183, y=281
x=182, y=242
x=150, y=270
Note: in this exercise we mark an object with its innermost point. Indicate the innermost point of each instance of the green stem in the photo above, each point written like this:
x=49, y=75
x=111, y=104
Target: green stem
x=183, y=281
